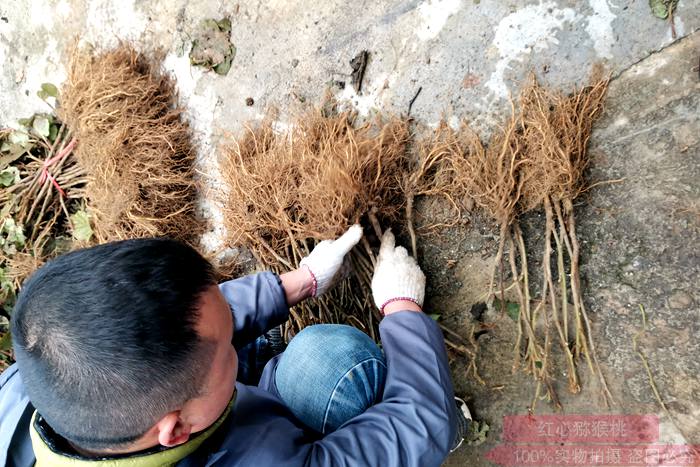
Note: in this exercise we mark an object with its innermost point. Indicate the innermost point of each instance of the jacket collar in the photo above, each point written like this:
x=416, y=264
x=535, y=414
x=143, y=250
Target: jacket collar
x=49, y=455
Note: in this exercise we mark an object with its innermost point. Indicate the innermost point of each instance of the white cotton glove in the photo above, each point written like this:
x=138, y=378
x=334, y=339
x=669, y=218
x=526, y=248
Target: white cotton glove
x=325, y=260
x=397, y=275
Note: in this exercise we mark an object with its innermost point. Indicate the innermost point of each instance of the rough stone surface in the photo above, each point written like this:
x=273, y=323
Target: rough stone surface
x=642, y=234
x=639, y=236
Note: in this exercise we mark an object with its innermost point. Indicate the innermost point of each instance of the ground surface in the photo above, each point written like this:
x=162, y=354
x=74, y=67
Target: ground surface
x=639, y=236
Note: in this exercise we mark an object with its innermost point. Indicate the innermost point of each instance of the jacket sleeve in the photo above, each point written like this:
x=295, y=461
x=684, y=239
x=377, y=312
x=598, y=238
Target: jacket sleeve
x=416, y=421
x=258, y=304
x=15, y=414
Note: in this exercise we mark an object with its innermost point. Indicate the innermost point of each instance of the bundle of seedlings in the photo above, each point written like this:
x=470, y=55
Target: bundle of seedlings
x=556, y=128
x=491, y=176
x=42, y=199
x=134, y=145
x=535, y=161
x=289, y=190
x=442, y=169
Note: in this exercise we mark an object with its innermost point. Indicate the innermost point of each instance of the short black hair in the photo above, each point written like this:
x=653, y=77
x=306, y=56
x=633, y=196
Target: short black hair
x=105, y=338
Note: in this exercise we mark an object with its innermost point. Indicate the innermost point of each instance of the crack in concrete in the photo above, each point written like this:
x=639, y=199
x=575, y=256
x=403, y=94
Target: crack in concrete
x=688, y=36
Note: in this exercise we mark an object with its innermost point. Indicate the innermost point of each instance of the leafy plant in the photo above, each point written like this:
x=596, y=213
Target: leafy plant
x=47, y=90
x=11, y=236
x=477, y=434
x=80, y=223
x=41, y=126
x=6, y=341
x=7, y=291
x=511, y=308
x=9, y=176
x=16, y=143
x=212, y=49
x=662, y=8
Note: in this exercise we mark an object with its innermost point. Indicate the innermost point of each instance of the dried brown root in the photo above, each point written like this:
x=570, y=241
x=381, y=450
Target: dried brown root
x=287, y=191
x=21, y=265
x=652, y=381
x=439, y=172
x=134, y=145
x=498, y=264
x=469, y=349
x=490, y=177
x=312, y=183
x=443, y=166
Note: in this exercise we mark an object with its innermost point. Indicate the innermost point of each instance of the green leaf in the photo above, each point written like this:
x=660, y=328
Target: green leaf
x=512, y=309
x=41, y=126
x=210, y=24
x=9, y=176
x=80, y=222
x=212, y=47
x=53, y=132
x=658, y=8
x=662, y=8
x=7, y=292
x=224, y=67
x=58, y=245
x=25, y=122
x=19, y=137
x=435, y=316
x=538, y=364
x=5, y=283
x=49, y=89
x=17, y=143
x=477, y=433
x=6, y=341
x=224, y=24
x=12, y=236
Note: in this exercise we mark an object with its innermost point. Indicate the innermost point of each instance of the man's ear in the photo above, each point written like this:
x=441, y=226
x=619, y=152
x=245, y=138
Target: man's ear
x=172, y=430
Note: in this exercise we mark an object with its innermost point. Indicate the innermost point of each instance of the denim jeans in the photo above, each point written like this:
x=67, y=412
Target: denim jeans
x=328, y=374
x=252, y=360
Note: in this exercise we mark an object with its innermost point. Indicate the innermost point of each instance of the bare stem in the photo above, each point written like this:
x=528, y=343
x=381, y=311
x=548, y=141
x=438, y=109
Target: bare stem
x=549, y=285
x=497, y=260
x=563, y=289
x=531, y=353
x=523, y=268
x=409, y=224
x=575, y=285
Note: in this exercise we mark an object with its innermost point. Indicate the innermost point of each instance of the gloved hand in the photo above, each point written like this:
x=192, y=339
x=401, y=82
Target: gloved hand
x=325, y=260
x=397, y=275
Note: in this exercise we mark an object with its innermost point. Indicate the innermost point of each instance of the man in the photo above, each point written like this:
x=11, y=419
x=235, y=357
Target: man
x=127, y=355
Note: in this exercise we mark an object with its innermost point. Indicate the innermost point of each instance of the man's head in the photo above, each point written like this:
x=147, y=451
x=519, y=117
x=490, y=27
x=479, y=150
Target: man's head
x=126, y=345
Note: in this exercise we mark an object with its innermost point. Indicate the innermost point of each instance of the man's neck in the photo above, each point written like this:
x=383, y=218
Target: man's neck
x=105, y=453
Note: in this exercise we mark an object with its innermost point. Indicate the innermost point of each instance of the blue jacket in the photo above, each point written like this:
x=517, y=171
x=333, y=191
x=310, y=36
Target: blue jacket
x=414, y=425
